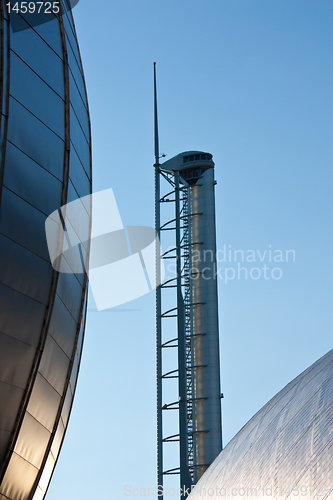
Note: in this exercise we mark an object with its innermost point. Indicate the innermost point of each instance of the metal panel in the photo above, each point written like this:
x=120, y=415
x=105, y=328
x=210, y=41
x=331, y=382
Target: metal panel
x=47, y=472
x=50, y=33
x=23, y=271
x=12, y=396
x=24, y=326
x=70, y=292
x=78, y=176
x=63, y=326
x=74, y=374
x=19, y=478
x=16, y=359
x=56, y=444
x=24, y=129
x=32, y=441
x=32, y=182
x=27, y=88
x=35, y=154
x=79, y=142
x=287, y=445
x=54, y=365
x=44, y=402
x=79, y=106
x=4, y=442
x=67, y=407
x=24, y=224
x=30, y=47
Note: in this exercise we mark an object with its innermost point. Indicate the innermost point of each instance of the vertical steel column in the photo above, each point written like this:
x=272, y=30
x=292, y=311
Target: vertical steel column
x=158, y=304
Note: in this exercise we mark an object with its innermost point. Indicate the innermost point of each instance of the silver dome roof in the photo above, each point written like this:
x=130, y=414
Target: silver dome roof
x=285, y=450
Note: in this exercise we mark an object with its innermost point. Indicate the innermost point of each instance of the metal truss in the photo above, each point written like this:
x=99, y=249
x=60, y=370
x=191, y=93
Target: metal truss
x=180, y=227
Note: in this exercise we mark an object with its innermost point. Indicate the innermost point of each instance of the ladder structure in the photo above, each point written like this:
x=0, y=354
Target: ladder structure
x=185, y=333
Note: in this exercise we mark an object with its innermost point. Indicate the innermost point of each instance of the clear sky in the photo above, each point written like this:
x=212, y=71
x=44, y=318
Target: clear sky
x=249, y=81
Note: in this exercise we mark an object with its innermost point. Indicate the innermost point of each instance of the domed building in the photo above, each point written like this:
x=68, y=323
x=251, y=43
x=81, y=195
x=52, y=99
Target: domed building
x=285, y=450
x=45, y=155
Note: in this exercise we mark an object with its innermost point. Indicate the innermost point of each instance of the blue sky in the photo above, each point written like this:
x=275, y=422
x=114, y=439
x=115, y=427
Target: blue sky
x=250, y=82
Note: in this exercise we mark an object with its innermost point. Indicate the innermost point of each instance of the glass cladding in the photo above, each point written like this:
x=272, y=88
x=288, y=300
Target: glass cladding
x=42, y=312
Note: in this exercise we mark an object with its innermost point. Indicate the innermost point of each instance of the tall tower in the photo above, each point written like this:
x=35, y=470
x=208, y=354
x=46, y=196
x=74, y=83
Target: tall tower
x=187, y=316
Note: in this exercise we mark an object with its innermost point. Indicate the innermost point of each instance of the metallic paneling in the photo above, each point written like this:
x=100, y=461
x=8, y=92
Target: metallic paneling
x=12, y=397
x=23, y=271
x=54, y=365
x=49, y=32
x=70, y=291
x=32, y=441
x=16, y=358
x=67, y=407
x=19, y=479
x=27, y=88
x=287, y=444
x=41, y=58
x=44, y=402
x=79, y=141
x=79, y=106
x=24, y=128
x=35, y=410
x=78, y=175
x=23, y=224
x=63, y=326
x=207, y=404
x=4, y=443
x=24, y=326
x=31, y=181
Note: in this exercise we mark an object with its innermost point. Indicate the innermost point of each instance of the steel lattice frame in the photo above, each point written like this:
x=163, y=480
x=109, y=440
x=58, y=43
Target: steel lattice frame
x=180, y=226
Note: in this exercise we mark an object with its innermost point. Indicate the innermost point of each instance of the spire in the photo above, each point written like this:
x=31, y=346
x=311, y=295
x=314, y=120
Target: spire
x=157, y=152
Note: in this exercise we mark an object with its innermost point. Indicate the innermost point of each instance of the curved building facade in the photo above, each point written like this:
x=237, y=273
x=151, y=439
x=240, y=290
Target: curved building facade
x=45, y=149
x=285, y=450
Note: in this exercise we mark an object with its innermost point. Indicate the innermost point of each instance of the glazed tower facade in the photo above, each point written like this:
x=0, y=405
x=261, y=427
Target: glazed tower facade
x=45, y=149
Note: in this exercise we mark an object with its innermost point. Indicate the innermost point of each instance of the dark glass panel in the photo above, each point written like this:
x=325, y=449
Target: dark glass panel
x=23, y=223
x=23, y=271
x=32, y=182
x=32, y=441
x=36, y=140
x=44, y=402
x=10, y=398
x=25, y=326
x=40, y=57
x=36, y=96
x=63, y=327
x=54, y=365
x=16, y=360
